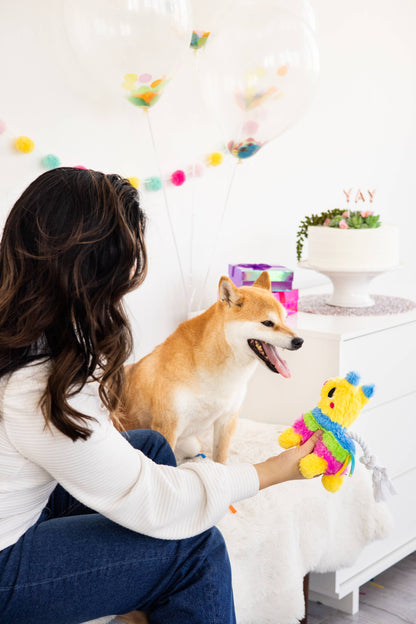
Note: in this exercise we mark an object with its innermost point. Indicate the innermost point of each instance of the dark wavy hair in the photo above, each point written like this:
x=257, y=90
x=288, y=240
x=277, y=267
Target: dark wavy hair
x=66, y=257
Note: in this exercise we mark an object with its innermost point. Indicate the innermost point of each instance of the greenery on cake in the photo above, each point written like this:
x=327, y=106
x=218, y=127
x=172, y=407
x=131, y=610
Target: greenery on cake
x=336, y=218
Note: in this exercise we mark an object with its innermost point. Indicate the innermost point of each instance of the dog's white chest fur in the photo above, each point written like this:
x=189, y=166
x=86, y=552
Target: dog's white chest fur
x=216, y=396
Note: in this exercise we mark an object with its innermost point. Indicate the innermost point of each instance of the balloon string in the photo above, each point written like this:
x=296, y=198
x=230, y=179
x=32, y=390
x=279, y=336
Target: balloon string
x=191, y=249
x=185, y=290
x=215, y=247
x=193, y=215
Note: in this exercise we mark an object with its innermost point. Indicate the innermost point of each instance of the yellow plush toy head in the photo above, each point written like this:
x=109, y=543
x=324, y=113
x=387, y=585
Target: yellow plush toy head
x=342, y=399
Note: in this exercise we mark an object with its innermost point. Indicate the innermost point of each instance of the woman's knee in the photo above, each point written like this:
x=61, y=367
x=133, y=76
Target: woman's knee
x=153, y=444
x=216, y=545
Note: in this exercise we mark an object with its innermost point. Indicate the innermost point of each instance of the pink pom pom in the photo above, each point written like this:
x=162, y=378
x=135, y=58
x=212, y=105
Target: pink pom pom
x=178, y=177
x=79, y=167
x=197, y=170
x=2, y=126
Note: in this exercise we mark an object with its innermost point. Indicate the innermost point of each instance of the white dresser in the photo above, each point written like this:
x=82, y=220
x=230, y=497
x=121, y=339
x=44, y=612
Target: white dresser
x=382, y=349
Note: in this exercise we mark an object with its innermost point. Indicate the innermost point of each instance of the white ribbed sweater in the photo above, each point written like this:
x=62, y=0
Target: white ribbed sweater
x=104, y=472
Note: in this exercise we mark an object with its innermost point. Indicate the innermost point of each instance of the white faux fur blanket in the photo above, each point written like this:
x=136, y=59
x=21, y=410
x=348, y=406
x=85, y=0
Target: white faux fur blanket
x=288, y=530
x=291, y=529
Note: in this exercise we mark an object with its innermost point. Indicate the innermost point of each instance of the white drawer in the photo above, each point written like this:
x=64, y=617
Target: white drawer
x=390, y=432
x=387, y=359
x=403, y=508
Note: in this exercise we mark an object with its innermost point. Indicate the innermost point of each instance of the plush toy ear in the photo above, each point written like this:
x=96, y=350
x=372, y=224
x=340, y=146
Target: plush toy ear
x=263, y=281
x=228, y=293
x=368, y=391
x=353, y=378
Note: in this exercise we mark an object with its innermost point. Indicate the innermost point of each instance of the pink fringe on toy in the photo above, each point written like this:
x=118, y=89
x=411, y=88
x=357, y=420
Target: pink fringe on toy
x=333, y=464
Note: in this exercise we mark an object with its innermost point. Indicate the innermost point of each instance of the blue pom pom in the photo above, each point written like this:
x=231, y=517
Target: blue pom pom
x=153, y=184
x=353, y=378
x=368, y=391
x=50, y=161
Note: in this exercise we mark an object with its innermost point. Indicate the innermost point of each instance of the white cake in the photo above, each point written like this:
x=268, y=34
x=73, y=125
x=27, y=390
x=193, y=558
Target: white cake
x=353, y=249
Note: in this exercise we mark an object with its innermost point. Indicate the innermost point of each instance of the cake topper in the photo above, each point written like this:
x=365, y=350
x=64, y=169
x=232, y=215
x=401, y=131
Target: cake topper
x=359, y=195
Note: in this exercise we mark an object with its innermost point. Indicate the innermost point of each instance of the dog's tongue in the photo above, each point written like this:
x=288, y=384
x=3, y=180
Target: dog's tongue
x=275, y=359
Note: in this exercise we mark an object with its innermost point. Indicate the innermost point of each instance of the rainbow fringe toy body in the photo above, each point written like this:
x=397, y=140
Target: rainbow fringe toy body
x=342, y=400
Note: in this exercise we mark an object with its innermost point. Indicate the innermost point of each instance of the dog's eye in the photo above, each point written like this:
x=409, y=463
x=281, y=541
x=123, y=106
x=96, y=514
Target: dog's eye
x=268, y=323
x=331, y=392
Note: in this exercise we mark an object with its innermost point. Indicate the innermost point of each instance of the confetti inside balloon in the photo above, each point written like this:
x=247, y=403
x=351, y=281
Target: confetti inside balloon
x=244, y=149
x=141, y=95
x=259, y=76
x=199, y=39
x=142, y=40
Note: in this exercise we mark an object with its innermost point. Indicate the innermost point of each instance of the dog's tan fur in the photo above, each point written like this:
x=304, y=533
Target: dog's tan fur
x=197, y=378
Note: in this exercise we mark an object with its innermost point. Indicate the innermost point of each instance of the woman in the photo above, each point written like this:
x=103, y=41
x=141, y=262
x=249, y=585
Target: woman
x=94, y=522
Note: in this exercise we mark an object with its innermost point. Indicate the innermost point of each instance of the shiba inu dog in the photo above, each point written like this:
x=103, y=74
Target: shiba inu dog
x=197, y=378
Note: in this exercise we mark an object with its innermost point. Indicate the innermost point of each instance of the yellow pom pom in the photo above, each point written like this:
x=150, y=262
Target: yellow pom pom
x=134, y=181
x=24, y=144
x=214, y=159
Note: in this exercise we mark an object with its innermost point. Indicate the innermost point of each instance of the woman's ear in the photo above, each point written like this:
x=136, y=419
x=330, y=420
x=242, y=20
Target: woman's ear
x=263, y=281
x=228, y=293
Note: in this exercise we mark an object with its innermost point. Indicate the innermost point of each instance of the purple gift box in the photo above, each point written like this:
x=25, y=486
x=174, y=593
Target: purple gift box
x=289, y=300
x=246, y=274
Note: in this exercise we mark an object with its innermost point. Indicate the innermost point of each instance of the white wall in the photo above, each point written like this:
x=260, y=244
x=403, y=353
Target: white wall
x=360, y=131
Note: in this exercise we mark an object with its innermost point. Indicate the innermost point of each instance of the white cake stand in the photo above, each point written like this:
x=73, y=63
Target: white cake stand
x=351, y=286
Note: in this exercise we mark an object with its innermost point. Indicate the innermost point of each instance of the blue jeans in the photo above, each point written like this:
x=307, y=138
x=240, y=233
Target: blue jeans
x=75, y=565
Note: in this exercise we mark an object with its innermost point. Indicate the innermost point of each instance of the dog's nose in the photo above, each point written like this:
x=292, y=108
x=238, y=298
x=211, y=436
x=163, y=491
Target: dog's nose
x=297, y=342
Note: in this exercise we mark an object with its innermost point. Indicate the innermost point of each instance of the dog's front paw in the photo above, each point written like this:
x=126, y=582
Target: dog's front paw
x=187, y=447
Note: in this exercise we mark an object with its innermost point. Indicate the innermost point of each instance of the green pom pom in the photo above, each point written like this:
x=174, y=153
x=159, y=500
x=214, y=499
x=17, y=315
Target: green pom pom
x=50, y=161
x=153, y=184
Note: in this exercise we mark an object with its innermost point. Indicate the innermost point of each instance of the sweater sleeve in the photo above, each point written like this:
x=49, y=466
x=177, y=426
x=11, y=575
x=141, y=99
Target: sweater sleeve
x=107, y=474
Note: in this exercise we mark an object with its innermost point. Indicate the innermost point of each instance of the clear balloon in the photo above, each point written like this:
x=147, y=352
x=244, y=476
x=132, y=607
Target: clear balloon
x=206, y=16
x=133, y=45
x=259, y=73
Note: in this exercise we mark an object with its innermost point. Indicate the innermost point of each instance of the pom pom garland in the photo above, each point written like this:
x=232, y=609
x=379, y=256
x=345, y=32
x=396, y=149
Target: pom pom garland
x=197, y=170
x=178, y=177
x=134, y=181
x=50, y=161
x=214, y=159
x=24, y=144
x=153, y=184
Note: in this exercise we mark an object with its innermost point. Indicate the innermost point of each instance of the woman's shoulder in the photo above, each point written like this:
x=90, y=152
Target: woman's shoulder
x=27, y=385
x=29, y=378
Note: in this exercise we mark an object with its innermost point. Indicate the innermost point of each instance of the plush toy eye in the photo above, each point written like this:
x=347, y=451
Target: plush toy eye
x=267, y=323
x=331, y=392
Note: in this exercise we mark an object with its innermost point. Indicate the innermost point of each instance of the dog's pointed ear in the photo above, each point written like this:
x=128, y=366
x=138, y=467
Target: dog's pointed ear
x=228, y=293
x=263, y=281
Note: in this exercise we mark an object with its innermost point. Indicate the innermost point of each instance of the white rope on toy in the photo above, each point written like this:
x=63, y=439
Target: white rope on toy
x=382, y=485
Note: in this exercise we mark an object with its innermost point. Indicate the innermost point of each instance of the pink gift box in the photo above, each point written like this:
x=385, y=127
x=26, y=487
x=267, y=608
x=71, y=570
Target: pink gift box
x=288, y=299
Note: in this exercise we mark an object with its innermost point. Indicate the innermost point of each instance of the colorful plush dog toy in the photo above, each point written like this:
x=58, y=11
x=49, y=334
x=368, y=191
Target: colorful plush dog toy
x=342, y=400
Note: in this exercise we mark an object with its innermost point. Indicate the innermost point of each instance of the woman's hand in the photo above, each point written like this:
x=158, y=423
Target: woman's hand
x=285, y=467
